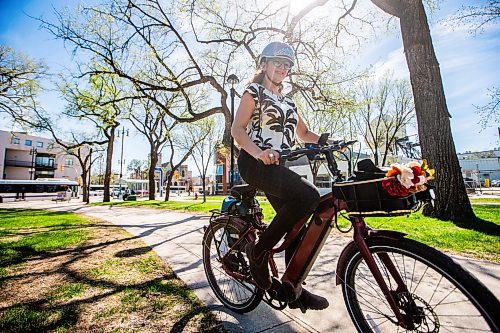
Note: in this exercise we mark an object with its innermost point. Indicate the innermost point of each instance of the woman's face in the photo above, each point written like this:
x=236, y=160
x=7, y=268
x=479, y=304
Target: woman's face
x=277, y=68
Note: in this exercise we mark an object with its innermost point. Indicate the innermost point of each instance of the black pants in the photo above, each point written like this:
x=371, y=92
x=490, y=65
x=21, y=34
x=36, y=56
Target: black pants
x=292, y=196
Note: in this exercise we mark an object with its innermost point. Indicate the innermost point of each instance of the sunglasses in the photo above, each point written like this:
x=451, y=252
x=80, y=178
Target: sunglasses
x=281, y=63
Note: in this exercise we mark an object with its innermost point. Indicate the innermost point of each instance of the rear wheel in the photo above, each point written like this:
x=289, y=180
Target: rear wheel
x=441, y=296
x=237, y=295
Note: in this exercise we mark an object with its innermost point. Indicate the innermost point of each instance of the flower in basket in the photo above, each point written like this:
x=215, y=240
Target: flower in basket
x=403, y=179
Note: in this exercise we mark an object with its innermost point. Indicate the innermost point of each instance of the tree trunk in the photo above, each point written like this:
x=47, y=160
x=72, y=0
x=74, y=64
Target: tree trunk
x=151, y=173
x=167, y=188
x=203, y=185
x=85, y=192
x=109, y=163
x=226, y=138
x=432, y=113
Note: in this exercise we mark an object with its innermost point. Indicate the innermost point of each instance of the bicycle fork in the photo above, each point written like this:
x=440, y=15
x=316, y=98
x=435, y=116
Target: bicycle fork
x=360, y=234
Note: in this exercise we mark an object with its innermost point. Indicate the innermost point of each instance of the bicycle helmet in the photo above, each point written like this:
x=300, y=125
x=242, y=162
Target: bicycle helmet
x=278, y=50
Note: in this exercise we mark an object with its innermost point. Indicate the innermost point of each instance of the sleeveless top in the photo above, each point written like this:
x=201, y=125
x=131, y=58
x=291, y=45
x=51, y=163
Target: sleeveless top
x=274, y=121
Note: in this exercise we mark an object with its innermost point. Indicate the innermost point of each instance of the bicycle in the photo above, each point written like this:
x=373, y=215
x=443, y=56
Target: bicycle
x=389, y=283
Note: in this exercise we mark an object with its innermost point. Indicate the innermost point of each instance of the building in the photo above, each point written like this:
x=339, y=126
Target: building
x=480, y=166
x=26, y=157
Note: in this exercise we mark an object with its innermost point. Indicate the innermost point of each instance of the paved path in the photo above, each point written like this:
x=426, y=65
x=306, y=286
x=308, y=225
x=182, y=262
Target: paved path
x=177, y=238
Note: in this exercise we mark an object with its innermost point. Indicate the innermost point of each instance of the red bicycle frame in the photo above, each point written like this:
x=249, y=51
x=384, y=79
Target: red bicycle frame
x=316, y=233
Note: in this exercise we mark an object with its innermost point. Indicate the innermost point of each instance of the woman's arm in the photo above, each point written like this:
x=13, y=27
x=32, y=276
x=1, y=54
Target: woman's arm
x=304, y=133
x=239, y=132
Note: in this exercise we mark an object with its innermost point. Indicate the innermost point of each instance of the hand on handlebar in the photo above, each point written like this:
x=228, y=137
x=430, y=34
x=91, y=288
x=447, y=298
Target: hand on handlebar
x=269, y=157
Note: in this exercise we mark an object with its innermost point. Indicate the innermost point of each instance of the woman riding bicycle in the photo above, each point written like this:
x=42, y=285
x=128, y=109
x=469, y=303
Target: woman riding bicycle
x=267, y=122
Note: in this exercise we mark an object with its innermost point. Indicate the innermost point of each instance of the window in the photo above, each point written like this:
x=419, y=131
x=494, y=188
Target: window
x=39, y=144
x=15, y=141
x=28, y=142
x=68, y=162
x=50, y=145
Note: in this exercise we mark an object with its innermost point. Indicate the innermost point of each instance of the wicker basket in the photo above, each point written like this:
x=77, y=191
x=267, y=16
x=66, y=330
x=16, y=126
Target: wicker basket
x=368, y=198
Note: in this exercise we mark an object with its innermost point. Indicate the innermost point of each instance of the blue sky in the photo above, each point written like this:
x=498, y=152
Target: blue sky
x=469, y=64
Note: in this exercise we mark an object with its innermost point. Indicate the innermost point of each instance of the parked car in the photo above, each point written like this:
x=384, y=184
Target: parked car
x=495, y=183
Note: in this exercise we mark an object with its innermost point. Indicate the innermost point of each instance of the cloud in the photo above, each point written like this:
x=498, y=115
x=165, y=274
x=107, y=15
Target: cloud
x=395, y=63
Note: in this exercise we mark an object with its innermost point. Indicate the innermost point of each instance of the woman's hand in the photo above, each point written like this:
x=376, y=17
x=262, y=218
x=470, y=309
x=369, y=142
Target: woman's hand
x=268, y=157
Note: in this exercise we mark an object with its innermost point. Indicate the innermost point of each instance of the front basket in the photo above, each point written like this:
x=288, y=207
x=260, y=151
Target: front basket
x=368, y=198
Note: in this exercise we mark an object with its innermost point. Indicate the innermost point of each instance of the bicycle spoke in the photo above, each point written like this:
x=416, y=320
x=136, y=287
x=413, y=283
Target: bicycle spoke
x=441, y=301
x=428, y=301
x=434, y=292
x=412, y=274
x=418, y=283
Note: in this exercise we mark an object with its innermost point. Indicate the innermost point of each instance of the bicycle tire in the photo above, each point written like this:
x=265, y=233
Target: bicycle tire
x=236, y=295
x=465, y=304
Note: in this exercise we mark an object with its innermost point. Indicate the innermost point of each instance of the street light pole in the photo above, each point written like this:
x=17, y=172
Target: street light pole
x=90, y=170
x=232, y=79
x=121, y=157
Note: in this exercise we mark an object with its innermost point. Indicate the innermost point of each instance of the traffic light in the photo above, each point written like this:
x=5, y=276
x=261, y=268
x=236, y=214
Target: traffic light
x=176, y=175
x=61, y=167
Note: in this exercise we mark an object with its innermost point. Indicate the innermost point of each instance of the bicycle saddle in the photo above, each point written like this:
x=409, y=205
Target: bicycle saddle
x=243, y=191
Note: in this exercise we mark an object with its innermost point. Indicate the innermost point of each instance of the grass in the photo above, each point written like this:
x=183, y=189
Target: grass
x=189, y=205
x=26, y=233
x=67, y=291
x=62, y=272
x=485, y=199
x=478, y=239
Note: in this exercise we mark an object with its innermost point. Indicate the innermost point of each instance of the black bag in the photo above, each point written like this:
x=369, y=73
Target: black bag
x=368, y=198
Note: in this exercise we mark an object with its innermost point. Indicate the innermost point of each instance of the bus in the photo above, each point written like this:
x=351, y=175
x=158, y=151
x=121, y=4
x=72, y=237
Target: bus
x=39, y=189
x=96, y=190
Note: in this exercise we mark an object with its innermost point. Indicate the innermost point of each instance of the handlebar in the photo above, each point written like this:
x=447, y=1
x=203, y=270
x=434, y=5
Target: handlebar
x=313, y=149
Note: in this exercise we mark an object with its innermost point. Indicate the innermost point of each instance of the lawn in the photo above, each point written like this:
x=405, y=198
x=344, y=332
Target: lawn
x=61, y=272
x=189, y=205
x=484, y=200
x=478, y=239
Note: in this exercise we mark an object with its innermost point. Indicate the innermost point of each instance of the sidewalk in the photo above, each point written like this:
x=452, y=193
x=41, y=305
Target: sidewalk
x=177, y=238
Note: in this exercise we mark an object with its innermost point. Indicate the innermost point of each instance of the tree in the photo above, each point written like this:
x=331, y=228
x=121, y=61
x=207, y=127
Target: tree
x=206, y=133
x=330, y=115
x=20, y=83
x=479, y=15
x=178, y=143
x=155, y=125
x=101, y=101
x=138, y=167
x=385, y=108
x=490, y=113
x=149, y=45
x=430, y=105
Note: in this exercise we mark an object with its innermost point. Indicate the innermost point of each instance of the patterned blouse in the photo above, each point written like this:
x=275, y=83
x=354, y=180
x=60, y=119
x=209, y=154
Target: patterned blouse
x=274, y=121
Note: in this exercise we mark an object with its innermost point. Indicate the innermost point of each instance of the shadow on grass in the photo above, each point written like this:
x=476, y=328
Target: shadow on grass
x=480, y=225
x=133, y=252
x=45, y=314
x=207, y=324
x=30, y=317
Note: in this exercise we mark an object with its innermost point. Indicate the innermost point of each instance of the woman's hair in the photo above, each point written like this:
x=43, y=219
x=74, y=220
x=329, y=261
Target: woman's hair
x=259, y=75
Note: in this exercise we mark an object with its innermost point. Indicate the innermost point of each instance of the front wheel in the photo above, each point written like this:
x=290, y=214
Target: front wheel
x=439, y=296
x=218, y=243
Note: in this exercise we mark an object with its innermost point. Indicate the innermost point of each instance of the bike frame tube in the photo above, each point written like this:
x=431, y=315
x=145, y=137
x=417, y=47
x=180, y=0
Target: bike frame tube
x=371, y=234
x=311, y=243
x=360, y=233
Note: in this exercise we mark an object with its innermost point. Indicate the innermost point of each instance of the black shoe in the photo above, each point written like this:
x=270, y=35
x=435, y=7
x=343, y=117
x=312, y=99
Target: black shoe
x=309, y=301
x=259, y=267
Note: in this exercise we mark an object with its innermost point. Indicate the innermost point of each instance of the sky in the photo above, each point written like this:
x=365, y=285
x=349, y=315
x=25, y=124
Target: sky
x=469, y=66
